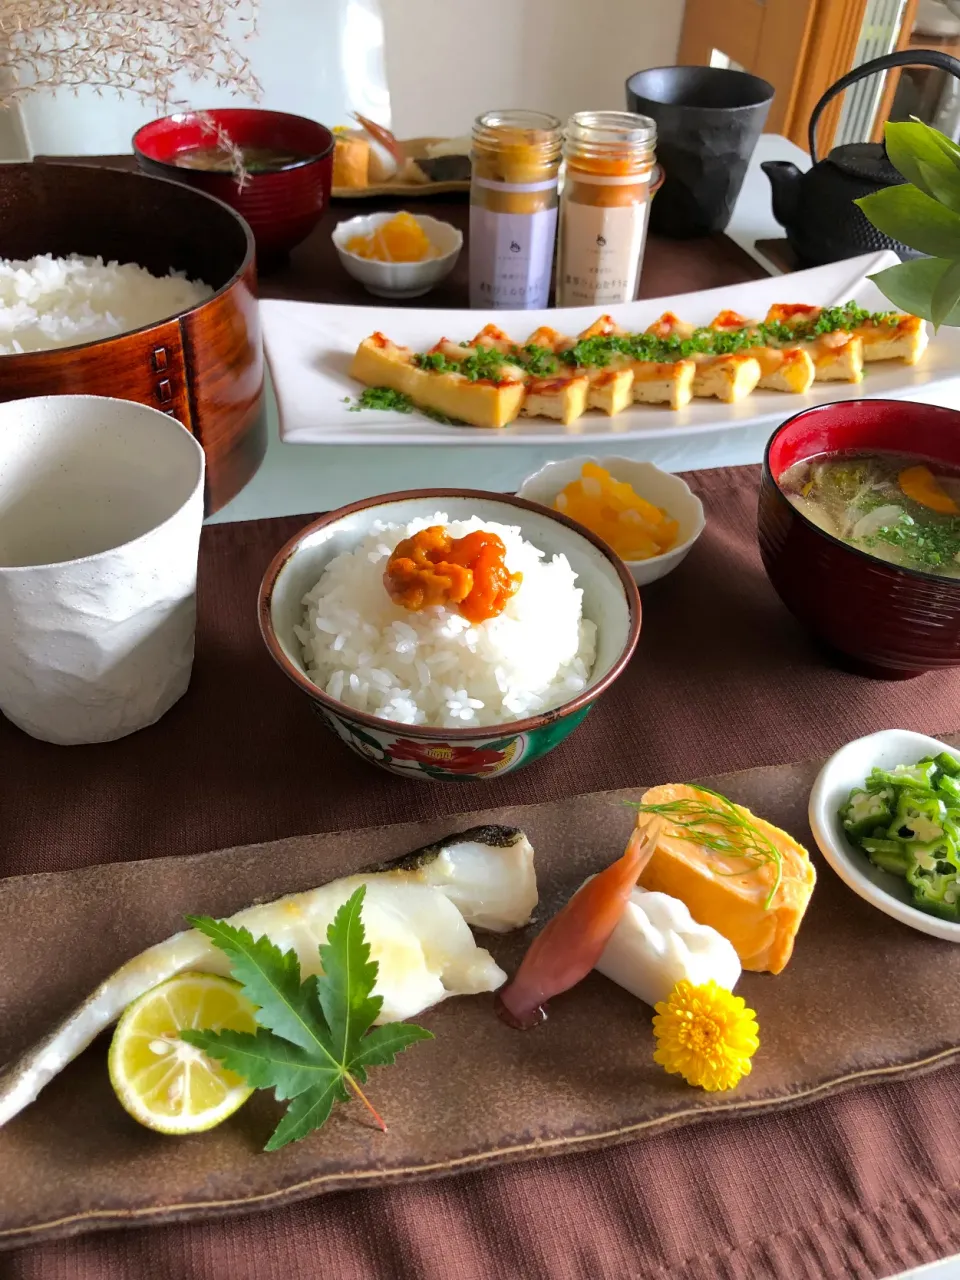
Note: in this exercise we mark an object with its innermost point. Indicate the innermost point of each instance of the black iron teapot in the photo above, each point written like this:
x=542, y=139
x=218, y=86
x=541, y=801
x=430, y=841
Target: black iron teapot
x=822, y=222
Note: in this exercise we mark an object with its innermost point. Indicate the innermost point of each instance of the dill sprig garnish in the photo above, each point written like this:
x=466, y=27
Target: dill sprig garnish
x=737, y=836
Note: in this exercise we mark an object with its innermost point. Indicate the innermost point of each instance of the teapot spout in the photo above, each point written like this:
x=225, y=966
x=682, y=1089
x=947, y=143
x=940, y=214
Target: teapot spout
x=785, y=180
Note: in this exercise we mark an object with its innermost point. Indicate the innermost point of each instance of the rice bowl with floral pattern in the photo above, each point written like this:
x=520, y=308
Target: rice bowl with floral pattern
x=423, y=690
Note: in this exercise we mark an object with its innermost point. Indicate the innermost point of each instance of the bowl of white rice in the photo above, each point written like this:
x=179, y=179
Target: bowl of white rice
x=428, y=693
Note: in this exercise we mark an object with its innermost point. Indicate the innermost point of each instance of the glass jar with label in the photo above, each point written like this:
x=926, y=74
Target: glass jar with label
x=609, y=177
x=513, y=209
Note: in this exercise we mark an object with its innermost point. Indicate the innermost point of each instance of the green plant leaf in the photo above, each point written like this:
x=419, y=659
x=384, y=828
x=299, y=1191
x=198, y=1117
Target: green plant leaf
x=343, y=992
x=910, y=286
x=316, y=1038
x=946, y=295
x=910, y=144
x=946, y=145
x=907, y=214
x=380, y=1046
x=309, y=1111
x=270, y=979
x=264, y=1060
x=942, y=183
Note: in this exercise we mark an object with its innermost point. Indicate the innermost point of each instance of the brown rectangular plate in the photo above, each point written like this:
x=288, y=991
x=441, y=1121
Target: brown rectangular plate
x=416, y=149
x=480, y=1094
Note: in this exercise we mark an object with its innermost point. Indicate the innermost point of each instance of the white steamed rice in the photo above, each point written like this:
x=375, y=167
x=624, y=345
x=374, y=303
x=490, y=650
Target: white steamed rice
x=49, y=302
x=433, y=667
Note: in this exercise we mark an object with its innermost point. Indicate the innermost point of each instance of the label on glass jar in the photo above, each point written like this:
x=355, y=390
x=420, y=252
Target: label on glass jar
x=602, y=253
x=511, y=257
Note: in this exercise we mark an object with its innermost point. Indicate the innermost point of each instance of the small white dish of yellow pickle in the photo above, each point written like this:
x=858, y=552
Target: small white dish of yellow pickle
x=649, y=517
x=397, y=255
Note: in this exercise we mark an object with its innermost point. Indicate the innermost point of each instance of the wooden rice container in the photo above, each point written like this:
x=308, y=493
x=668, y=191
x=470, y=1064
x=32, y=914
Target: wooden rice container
x=204, y=366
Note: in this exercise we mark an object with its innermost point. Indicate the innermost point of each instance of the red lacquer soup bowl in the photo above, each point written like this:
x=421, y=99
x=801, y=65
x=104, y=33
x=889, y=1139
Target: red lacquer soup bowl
x=282, y=206
x=893, y=622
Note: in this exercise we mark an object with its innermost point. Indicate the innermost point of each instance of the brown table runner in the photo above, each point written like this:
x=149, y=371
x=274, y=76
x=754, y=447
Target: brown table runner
x=862, y=1185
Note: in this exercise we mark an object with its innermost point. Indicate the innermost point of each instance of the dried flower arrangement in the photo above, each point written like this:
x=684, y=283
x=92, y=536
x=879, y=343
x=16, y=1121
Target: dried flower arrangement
x=134, y=46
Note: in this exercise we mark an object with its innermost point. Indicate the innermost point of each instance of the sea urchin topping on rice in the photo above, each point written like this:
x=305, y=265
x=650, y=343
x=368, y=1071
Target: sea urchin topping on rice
x=434, y=667
x=48, y=302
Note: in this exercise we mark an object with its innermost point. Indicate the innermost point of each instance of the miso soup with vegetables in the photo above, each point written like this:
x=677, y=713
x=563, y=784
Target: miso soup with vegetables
x=907, y=822
x=255, y=159
x=893, y=506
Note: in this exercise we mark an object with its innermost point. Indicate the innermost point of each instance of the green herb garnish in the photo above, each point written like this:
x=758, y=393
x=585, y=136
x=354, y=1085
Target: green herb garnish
x=436, y=362
x=483, y=363
x=928, y=545
x=383, y=398
x=600, y=351
x=487, y=363
x=316, y=1038
x=737, y=836
x=594, y=353
x=847, y=317
x=399, y=402
x=539, y=362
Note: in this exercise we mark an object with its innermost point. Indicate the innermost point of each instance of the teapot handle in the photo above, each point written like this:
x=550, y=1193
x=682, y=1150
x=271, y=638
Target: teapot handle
x=904, y=58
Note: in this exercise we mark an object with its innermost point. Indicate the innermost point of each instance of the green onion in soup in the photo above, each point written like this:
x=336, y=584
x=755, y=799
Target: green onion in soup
x=896, y=507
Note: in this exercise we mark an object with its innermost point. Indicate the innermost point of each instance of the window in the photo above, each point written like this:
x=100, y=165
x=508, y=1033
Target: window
x=722, y=60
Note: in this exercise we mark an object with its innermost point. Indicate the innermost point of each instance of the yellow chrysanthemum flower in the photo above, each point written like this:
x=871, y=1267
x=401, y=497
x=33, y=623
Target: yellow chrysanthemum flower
x=705, y=1034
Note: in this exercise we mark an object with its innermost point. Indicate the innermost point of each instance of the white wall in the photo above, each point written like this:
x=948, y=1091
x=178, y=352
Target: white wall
x=318, y=58
x=449, y=60
x=446, y=61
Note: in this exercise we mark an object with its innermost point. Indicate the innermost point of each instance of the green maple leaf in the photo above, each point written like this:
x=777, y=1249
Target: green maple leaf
x=315, y=1038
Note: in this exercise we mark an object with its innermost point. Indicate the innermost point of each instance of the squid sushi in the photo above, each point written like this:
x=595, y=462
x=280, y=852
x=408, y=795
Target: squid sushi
x=416, y=914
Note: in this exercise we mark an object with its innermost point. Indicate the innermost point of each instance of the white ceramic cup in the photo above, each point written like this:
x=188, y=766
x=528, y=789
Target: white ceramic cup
x=101, y=505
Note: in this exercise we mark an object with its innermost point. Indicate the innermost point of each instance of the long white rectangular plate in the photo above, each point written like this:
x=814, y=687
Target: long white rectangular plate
x=310, y=345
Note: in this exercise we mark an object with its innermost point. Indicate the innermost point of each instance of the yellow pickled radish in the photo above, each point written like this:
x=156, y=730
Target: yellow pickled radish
x=401, y=239
x=615, y=512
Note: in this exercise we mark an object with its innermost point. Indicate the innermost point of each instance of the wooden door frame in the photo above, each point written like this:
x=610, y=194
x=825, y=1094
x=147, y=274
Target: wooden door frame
x=833, y=35
x=803, y=49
